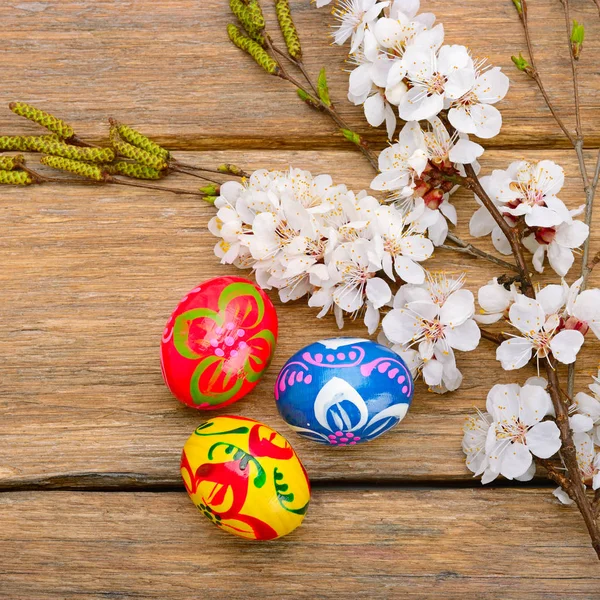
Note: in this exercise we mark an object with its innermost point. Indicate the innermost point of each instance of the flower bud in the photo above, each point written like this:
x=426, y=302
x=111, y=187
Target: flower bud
x=211, y=189
x=351, y=136
x=433, y=199
x=518, y=6
x=577, y=325
x=42, y=118
x=577, y=36
x=544, y=235
x=312, y=102
x=73, y=166
x=230, y=169
x=522, y=64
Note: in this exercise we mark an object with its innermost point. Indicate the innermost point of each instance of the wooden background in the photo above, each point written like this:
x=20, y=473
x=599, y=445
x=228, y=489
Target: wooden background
x=91, y=504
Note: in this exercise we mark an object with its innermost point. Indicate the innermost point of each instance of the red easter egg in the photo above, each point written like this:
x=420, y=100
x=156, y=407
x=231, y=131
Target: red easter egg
x=218, y=342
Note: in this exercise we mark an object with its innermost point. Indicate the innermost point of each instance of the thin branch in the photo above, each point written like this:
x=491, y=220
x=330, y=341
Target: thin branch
x=569, y=454
x=579, y=129
x=466, y=248
x=323, y=107
x=472, y=182
x=555, y=475
x=177, y=169
x=533, y=73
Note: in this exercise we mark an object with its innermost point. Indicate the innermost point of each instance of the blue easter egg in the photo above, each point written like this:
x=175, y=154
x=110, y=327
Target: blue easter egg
x=343, y=391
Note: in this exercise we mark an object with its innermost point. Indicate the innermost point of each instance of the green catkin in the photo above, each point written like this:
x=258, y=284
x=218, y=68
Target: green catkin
x=23, y=143
x=241, y=11
x=14, y=142
x=73, y=166
x=59, y=148
x=258, y=53
x=133, y=170
x=255, y=15
x=42, y=118
x=8, y=163
x=135, y=138
x=15, y=178
x=133, y=152
x=288, y=29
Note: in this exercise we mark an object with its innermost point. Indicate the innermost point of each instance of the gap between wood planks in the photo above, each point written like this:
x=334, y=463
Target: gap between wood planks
x=330, y=141
x=131, y=482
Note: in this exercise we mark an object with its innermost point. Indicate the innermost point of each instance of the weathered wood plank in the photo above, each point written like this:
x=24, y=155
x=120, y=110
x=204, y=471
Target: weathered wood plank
x=168, y=67
x=449, y=544
x=88, y=279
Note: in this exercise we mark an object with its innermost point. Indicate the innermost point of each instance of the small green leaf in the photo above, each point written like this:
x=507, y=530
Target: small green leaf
x=351, y=136
x=518, y=6
x=577, y=37
x=323, y=88
x=211, y=189
x=521, y=63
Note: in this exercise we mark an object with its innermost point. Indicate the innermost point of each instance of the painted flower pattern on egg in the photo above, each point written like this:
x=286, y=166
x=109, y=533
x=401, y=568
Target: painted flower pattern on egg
x=343, y=391
x=245, y=478
x=218, y=342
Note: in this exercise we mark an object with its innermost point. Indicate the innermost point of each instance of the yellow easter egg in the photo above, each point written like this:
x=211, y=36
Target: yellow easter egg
x=245, y=478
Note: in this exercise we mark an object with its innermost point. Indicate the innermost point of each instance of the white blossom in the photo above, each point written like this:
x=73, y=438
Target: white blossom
x=541, y=334
x=517, y=431
x=353, y=17
x=434, y=319
x=474, y=112
x=495, y=300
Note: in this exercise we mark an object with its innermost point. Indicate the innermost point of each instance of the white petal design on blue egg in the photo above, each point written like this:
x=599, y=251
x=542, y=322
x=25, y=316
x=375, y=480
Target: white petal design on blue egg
x=397, y=411
x=332, y=394
x=335, y=343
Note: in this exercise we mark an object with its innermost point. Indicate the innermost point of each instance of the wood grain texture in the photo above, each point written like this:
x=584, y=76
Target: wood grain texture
x=169, y=67
x=376, y=545
x=89, y=277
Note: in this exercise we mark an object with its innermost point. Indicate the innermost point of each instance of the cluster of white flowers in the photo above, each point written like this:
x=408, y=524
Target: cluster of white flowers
x=504, y=439
x=403, y=66
x=528, y=191
x=304, y=235
x=427, y=324
x=552, y=324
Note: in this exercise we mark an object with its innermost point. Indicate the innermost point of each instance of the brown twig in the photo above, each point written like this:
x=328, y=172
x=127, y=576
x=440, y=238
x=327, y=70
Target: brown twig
x=466, y=248
x=178, y=169
x=472, y=182
x=555, y=474
x=534, y=74
x=329, y=109
x=39, y=178
x=569, y=455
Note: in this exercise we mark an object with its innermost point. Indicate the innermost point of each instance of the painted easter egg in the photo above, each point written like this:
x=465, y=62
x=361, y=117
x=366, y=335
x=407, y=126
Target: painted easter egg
x=343, y=391
x=245, y=478
x=218, y=342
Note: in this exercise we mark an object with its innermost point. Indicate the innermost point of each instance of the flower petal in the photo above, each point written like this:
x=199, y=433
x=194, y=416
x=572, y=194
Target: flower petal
x=543, y=439
x=565, y=345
